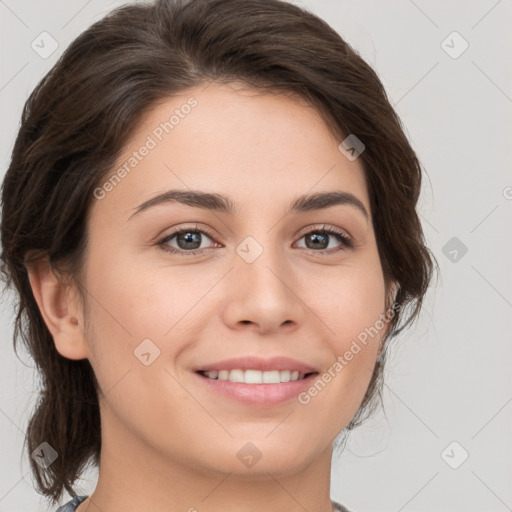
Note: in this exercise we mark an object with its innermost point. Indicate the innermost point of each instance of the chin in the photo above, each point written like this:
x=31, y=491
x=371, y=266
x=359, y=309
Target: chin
x=254, y=460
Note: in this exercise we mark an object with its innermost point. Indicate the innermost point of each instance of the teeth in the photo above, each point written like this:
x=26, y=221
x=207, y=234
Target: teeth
x=285, y=375
x=255, y=376
x=236, y=376
x=272, y=377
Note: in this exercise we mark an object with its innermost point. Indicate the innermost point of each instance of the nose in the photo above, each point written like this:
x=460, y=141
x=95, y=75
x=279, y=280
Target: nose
x=261, y=296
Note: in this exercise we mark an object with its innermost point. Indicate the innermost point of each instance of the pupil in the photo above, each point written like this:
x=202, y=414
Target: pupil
x=188, y=237
x=317, y=237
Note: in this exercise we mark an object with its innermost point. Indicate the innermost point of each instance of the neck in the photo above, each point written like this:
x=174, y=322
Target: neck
x=134, y=476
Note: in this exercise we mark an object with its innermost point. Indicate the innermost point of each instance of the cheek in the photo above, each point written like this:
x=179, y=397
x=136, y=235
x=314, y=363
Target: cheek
x=352, y=302
x=352, y=306
x=123, y=311
x=135, y=310
x=134, y=303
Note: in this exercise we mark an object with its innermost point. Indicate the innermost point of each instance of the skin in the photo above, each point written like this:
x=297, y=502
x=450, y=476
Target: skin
x=169, y=443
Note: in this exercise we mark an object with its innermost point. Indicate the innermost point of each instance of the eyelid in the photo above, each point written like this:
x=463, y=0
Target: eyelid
x=345, y=239
x=325, y=227
x=162, y=241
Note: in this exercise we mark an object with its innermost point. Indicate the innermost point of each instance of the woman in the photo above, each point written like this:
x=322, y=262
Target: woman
x=210, y=221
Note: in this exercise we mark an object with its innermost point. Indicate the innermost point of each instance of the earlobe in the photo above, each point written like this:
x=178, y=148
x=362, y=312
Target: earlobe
x=60, y=312
x=389, y=313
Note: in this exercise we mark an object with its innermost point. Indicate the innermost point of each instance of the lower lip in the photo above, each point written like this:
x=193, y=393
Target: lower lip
x=260, y=394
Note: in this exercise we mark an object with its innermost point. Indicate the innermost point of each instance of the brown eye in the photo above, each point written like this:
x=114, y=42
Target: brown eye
x=188, y=241
x=322, y=239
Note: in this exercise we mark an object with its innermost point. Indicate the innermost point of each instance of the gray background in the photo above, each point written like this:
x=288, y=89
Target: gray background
x=449, y=377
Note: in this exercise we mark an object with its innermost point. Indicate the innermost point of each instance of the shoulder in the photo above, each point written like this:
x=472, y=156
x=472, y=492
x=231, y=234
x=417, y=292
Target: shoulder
x=71, y=505
x=336, y=507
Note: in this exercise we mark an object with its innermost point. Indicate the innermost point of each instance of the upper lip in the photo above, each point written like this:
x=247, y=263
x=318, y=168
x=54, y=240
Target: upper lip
x=257, y=363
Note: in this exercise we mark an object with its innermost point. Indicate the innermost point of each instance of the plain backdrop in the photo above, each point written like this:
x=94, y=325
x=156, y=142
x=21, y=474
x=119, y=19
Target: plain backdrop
x=444, y=442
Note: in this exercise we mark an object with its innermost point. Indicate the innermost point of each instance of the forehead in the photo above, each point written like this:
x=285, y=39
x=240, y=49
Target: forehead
x=236, y=141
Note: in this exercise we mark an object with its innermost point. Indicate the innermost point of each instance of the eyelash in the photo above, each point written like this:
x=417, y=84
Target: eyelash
x=346, y=241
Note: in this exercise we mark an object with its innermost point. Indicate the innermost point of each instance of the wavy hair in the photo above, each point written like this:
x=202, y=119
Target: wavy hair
x=77, y=119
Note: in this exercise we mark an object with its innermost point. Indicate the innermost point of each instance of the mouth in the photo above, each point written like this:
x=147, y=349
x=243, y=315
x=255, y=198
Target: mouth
x=255, y=381
x=252, y=376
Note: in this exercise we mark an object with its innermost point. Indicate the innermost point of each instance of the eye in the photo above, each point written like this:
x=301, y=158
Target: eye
x=320, y=238
x=188, y=241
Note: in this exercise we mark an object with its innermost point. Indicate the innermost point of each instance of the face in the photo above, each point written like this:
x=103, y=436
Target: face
x=179, y=286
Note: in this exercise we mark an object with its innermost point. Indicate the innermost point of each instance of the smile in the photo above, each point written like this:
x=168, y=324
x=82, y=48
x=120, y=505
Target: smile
x=251, y=376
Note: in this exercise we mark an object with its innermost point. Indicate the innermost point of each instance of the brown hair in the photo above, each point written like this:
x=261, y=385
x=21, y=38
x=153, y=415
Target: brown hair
x=80, y=115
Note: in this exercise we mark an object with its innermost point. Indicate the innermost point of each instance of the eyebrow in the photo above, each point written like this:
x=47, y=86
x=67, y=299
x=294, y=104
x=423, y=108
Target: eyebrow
x=219, y=203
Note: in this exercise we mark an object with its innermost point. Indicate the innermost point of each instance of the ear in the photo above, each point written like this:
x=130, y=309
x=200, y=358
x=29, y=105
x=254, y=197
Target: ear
x=389, y=313
x=59, y=308
x=394, y=287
